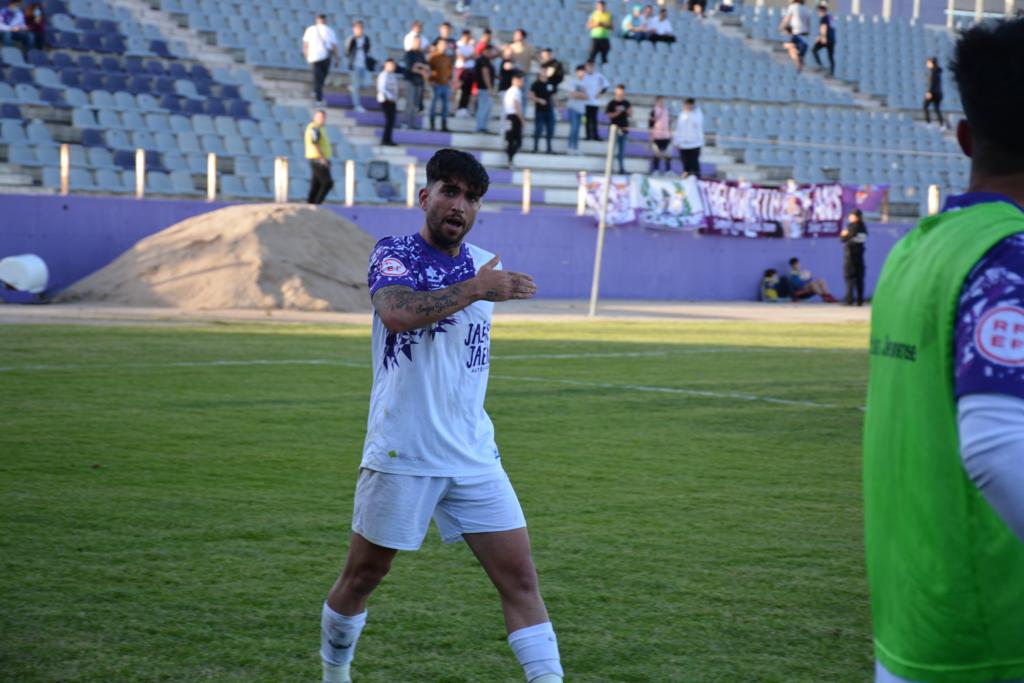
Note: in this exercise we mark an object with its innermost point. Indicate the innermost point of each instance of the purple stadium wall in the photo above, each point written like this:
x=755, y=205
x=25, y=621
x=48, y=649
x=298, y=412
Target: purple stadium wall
x=78, y=235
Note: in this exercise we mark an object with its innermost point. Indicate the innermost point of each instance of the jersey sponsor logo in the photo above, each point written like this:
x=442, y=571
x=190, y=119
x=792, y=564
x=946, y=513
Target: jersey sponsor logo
x=999, y=336
x=392, y=267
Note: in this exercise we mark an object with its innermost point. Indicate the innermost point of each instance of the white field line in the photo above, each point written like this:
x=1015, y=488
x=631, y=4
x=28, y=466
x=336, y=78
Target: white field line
x=726, y=395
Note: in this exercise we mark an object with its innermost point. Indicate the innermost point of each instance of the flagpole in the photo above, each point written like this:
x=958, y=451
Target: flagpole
x=602, y=219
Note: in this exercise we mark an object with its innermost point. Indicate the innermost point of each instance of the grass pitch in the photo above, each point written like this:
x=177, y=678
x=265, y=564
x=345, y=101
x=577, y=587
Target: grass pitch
x=175, y=501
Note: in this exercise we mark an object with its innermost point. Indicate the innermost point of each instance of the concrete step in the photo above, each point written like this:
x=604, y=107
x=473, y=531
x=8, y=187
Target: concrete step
x=14, y=179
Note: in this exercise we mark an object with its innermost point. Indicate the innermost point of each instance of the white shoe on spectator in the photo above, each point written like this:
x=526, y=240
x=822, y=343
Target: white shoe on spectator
x=462, y=114
x=359, y=108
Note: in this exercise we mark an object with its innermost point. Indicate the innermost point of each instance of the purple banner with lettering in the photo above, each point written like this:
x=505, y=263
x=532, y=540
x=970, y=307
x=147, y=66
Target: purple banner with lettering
x=864, y=197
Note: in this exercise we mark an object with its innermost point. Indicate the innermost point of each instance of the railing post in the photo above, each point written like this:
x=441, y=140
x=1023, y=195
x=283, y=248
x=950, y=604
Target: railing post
x=581, y=193
x=281, y=180
x=140, y=173
x=526, y=190
x=410, y=184
x=211, y=177
x=934, y=199
x=65, y=168
x=350, y=182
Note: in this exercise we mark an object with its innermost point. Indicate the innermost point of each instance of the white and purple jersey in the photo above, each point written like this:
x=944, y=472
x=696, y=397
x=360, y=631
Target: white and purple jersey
x=989, y=334
x=427, y=414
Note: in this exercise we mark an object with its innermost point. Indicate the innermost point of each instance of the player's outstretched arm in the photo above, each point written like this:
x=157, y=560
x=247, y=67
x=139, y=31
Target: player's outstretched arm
x=402, y=308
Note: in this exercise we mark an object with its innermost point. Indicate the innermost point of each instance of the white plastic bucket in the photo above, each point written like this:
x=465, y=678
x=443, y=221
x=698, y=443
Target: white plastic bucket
x=25, y=273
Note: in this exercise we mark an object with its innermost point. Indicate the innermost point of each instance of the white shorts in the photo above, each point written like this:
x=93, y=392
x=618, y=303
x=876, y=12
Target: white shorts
x=394, y=510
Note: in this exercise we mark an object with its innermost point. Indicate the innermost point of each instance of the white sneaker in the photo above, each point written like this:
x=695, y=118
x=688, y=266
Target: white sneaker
x=359, y=108
x=336, y=674
x=462, y=114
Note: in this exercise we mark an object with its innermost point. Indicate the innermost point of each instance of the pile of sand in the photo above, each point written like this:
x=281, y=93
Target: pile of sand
x=251, y=256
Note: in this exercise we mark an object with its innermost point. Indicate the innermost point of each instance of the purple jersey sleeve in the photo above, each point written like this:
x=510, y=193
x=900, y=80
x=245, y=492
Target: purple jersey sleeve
x=989, y=334
x=392, y=262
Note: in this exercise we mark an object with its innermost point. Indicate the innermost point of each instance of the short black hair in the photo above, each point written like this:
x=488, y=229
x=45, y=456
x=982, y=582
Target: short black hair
x=794, y=261
x=322, y=17
x=523, y=31
x=581, y=67
x=453, y=164
x=689, y=100
x=988, y=65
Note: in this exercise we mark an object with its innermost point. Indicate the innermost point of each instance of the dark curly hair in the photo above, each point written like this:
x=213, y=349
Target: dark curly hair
x=988, y=66
x=453, y=164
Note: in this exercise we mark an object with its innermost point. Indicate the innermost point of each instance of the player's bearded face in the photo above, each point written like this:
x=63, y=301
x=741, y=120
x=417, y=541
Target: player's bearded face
x=451, y=211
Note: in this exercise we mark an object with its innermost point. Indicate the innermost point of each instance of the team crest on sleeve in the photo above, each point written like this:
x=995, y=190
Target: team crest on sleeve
x=999, y=336
x=392, y=267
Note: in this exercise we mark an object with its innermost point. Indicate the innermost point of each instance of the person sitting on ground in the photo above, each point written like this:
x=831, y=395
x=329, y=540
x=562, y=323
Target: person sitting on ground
x=804, y=285
x=771, y=286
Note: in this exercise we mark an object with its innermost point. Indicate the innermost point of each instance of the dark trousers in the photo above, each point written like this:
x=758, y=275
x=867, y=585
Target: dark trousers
x=591, y=113
x=319, y=77
x=389, y=121
x=513, y=137
x=659, y=154
x=599, y=46
x=691, y=160
x=543, y=124
x=936, y=103
x=466, y=81
x=854, y=275
x=321, y=182
x=830, y=50
x=663, y=39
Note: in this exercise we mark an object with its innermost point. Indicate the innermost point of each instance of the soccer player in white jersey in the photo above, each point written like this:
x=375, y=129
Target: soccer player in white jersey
x=430, y=450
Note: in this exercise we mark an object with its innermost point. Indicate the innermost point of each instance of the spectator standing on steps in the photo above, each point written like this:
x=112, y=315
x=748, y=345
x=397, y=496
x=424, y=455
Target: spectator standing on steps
x=854, y=237
x=619, y=111
x=596, y=85
x=440, y=82
x=933, y=96
x=486, y=87
x=826, y=39
x=523, y=54
x=513, y=105
x=796, y=23
x=415, y=31
x=600, y=26
x=319, y=44
x=542, y=94
x=387, y=95
x=659, y=125
x=360, y=63
x=577, y=94
x=552, y=67
x=465, y=72
x=416, y=71
x=318, y=152
x=689, y=136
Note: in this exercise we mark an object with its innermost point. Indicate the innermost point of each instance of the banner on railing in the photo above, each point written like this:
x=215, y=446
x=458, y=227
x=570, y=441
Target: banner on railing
x=731, y=208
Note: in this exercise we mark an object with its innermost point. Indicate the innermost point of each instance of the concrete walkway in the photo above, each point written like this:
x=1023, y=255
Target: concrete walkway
x=540, y=310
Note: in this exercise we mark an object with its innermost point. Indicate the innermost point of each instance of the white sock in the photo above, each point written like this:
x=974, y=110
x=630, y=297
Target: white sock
x=537, y=651
x=338, y=636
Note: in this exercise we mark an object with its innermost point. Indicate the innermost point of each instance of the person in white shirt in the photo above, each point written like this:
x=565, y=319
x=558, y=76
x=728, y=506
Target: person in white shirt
x=465, y=71
x=689, y=136
x=513, y=106
x=416, y=31
x=661, y=28
x=319, y=44
x=577, y=94
x=360, y=63
x=596, y=85
x=796, y=24
x=387, y=95
x=430, y=448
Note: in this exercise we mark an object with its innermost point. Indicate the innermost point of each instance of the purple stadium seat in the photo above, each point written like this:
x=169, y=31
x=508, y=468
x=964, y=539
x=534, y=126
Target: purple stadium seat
x=92, y=40
x=124, y=158
x=140, y=84
x=52, y=96
x=106, y=26
x=193, y=107
x=67, y=40
x=19, y=74
x=38, y=58
x=177, y=71
x=85, y=24
x=171, y=103
x=92, y=80
x=134, y=65
x=62, y=60
x=215, y=107
x=239, y=109
x=159, y=48
x=114, y=44
x=155, y=68
x=111, y=65
x=10, y=111
x=116, y=82
x=204, y=88
x=71, y=78
x=92, y=137
x=163, y=86
x=229, y=92
x=201, y=73
x=88, y=63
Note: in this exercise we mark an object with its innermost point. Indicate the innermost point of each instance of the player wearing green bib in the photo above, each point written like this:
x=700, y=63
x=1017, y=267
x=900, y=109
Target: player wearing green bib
x=944, y=429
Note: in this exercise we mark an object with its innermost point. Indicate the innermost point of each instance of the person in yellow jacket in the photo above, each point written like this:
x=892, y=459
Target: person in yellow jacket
x=318, y=151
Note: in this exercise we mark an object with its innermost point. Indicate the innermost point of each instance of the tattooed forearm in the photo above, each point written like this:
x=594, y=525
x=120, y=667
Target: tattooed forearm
x=404, y=308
